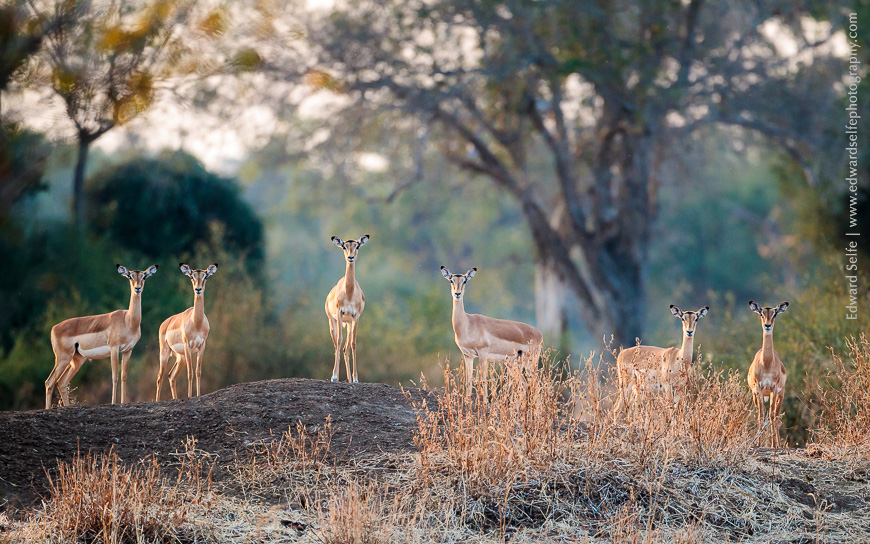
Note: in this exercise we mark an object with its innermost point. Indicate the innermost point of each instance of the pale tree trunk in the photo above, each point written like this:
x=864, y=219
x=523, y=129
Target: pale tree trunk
x=552, y=296
x=84, y=142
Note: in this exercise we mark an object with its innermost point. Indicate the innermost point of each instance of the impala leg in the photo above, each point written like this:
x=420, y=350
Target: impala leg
x=164, y=360
x=336, y=340
x=60, y=363
x=469, y=371
x=173, y=374
x=115, y=361
x=69, y=373
x=188, y=360
x=352, y=342
x=754, y=393
x=760, y=403
x=125, y=361
x=348, y=330
x=484, y=377
x=775, y=407
x=332, y=337
x=199, y=357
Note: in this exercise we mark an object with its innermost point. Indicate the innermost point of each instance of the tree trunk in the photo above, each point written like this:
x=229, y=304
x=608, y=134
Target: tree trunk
x=551, y=306
x=79, y=182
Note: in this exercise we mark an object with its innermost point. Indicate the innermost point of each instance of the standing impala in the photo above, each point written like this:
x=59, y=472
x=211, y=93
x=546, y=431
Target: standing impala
x=76, y=340
x=650, y=369
x=767, y=373
x=186, y=333
x=487, y=338
x=344, y=304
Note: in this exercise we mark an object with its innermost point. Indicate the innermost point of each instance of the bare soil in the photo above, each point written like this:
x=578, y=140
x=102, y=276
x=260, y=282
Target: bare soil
x=367, y=418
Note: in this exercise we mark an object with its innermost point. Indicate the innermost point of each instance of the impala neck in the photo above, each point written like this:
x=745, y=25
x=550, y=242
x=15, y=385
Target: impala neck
x=198, y=308
x=767, y=346
x=686, y=350
x=460, y=318
x=134, y=313
x=349, y=279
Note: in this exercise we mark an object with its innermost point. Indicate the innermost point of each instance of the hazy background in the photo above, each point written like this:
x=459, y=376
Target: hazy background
x=596, y=162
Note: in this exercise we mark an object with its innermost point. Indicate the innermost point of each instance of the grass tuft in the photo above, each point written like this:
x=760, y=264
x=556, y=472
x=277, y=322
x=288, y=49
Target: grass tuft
x=99, y=499
x=843, y=398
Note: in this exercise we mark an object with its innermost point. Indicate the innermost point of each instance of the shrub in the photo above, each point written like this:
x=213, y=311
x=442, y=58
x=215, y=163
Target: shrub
x=98, y=499
x=843, y=399
x=180, y=204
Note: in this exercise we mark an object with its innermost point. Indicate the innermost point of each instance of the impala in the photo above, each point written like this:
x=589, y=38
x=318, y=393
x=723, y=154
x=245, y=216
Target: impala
x=185, y=334
x=114, y=334
x=488, y=338
x=344, y=304
x=650, y=369
x=767, y=373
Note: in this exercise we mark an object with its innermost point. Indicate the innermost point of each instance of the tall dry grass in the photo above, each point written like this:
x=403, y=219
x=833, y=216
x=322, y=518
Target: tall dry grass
x=545, y=416
x=100, y=499
x=547, y=446
x=353, y=512
x=296, y=462
x=843, y=405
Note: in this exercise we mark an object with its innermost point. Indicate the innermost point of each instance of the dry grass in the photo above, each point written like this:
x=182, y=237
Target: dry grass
x=549, y=417
x=843, y=427
x=301, y=457
x=547, y=448
x=525, y=428
x=357, y=513
x=544, y=459
x=99, y=499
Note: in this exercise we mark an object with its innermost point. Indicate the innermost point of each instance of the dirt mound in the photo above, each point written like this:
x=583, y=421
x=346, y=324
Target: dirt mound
x=366, y=418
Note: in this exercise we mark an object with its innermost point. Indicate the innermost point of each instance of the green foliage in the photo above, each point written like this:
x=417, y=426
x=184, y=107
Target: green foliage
x=52, y=273
x=169, y=204
x=23, y=155
x=814, y=325
x=37, y=293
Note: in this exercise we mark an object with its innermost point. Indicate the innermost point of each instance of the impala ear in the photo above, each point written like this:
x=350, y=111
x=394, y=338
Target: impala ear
x=445, y=272
x=211, y=269
x=676, y=311
x=122, y=270
x=151, y=270
x=363, y=239
x=782, y=307
x=337, y=241
x=185, y=268
x=754, y=307
x=471, y=273
x=703, y=311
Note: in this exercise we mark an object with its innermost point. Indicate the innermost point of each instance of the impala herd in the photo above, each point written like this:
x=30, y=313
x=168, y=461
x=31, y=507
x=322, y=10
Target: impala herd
x=641, y=370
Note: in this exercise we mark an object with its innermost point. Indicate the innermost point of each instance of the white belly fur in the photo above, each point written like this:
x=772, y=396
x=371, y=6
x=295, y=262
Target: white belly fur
x=195, y=344
x=100, y=352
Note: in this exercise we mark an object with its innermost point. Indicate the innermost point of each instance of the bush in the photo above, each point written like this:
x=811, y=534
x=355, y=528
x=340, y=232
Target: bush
x=169, y=205
x=98, y=499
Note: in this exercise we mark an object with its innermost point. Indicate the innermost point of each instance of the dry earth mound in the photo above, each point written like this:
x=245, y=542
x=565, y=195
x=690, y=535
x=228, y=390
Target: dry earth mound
x=367, y=418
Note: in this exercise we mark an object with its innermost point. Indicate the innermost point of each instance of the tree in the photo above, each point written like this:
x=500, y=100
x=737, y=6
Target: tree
x=600, y=90
x=107, y=67
x=178, y=202
x=22, y=152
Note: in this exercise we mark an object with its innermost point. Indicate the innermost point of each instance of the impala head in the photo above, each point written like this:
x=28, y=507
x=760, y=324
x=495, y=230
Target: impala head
x=768, y=315
x=136, y=277
x=458, y=281
x=198, y=277
x=689, y=319
x=350, y=247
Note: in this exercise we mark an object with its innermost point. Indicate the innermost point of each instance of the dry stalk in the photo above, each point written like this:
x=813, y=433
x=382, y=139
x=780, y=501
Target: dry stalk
x=844, y=407
x=97, y=498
